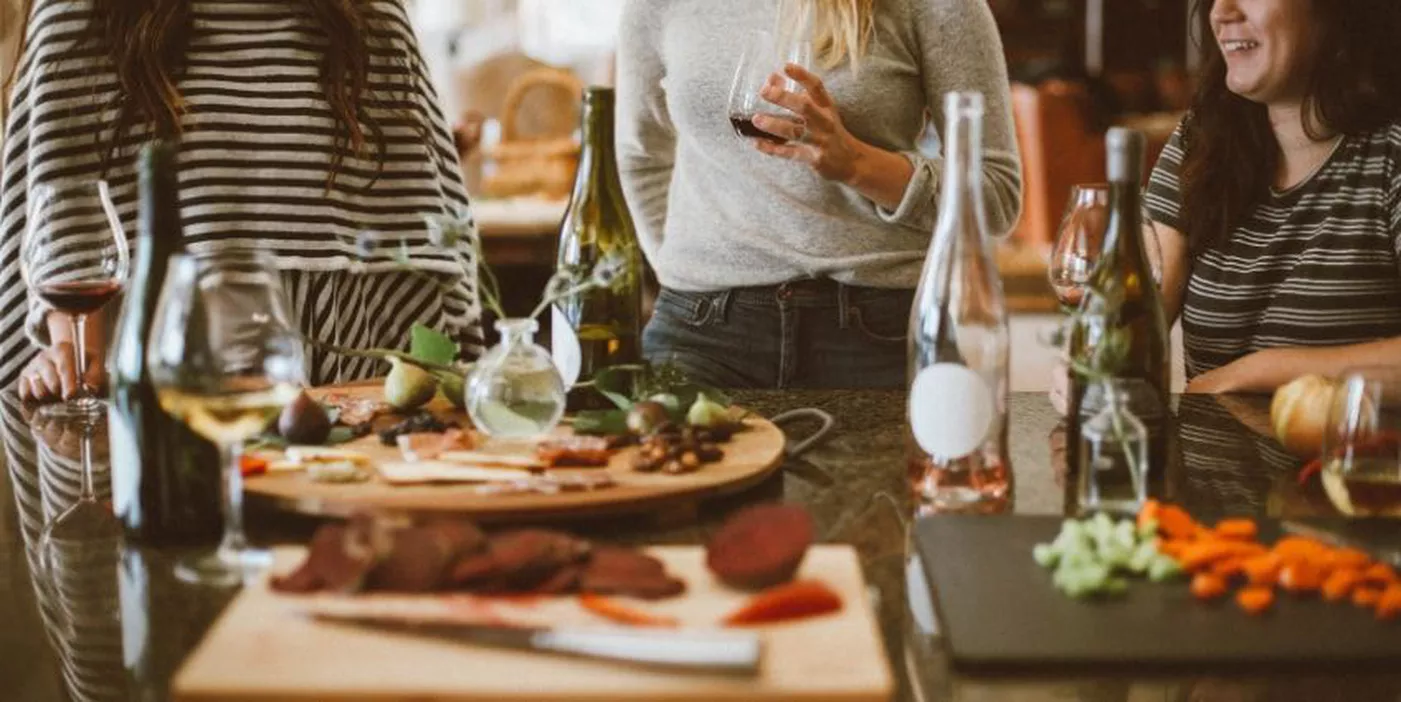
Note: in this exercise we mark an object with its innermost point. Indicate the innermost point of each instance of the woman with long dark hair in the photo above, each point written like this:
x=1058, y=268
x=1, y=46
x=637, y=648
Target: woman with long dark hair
x=1278, y=200
x=307, y=129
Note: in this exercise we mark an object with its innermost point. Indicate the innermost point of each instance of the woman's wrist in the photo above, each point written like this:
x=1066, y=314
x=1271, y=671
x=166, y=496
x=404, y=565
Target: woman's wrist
x=882, y=176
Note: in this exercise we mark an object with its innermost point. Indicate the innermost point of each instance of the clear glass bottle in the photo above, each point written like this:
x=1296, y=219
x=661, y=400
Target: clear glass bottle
x=1113, y=470
x=958, y=341
x=515, y=391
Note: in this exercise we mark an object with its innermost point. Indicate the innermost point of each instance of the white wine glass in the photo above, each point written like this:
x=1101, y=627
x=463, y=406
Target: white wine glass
x=1080, y=243
x=765, y=53
x=74, y=256
x=225, y=359
x=1362, y=444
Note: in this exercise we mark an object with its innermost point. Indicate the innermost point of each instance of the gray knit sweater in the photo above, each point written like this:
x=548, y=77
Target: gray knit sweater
x=714, y=213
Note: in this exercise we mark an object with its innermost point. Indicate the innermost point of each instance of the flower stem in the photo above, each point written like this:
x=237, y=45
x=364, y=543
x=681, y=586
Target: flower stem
x=384, y=355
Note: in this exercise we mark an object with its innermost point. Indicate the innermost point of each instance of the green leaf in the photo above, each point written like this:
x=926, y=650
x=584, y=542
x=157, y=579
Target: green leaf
x=618, y=384
x=431, y=345
x=602, y=422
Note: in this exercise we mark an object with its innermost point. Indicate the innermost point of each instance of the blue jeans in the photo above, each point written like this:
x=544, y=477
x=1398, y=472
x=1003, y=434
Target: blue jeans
x=801, y=334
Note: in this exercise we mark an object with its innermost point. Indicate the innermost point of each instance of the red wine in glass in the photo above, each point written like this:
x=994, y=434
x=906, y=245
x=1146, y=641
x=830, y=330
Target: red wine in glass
x=79, y=297
x=745, y=127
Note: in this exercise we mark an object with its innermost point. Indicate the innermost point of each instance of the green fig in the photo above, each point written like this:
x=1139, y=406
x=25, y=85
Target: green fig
x=407, y=386
x=454, y=387
x=707, y=414
x=304, y=421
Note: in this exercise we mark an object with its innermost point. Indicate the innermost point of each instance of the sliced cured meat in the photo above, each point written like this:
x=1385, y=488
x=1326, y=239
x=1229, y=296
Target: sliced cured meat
x=339, y=559
x=578, y=451
x=355, y=410
x=760, y=546
x=620, y=571
x=421, y=557
x=520, y=561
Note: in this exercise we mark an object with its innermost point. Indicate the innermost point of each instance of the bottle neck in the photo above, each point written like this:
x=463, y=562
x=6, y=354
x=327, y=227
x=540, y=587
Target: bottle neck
x=1124, y=231
x=961, y=197
x=598, y=170
x=517, y=332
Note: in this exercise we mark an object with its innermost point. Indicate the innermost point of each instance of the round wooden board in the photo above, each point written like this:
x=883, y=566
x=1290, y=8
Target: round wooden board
x=750, y=456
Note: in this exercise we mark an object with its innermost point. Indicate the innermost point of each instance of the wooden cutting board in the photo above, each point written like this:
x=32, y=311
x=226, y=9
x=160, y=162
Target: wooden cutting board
x=996, y=606
x=750, y=457
x=261, y=649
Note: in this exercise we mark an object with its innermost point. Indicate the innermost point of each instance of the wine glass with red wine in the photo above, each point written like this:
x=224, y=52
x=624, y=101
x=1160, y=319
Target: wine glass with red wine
x=765, y=53
x=75, y=258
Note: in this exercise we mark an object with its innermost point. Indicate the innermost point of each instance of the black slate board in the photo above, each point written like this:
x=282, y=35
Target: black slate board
x=997, y=607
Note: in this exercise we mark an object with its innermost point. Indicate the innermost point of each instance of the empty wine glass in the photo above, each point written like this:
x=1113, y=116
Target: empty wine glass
x=1362, y=444
x=765, y=53
x=74, y=256
x=224, y=359
x=1080, y=242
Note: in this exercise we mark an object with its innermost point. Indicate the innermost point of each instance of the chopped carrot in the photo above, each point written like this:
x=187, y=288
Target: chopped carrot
x=623, y=614
x=1300, y=577
x=1350, y=559
x=1381, y=575
x=1174, y=522
x=1228, y=568
x=1340, y=584
x=1292, y=548
x=1206, y=586
x=1236, y=530
x=1389, y=606
x=1262, y=570
x=1365, y=596
x=1201, y=554
x=1173, y=549
x=795, y=600
x=1148, y=513
x=1255, y=599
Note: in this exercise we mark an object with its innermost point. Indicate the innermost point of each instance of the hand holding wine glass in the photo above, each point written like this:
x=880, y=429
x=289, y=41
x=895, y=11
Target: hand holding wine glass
x=74, y=257
x=225, y=359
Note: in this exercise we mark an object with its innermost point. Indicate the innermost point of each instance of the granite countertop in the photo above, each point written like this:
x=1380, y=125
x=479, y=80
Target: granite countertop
x=65, y=635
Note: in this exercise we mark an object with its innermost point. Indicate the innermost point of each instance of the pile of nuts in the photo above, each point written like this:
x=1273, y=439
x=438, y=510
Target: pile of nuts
x=678, y=450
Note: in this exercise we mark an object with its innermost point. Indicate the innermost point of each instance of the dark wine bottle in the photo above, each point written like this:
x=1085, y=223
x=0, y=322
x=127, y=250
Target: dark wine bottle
x=165, y=479
x=602, y=327
x=1122, y=314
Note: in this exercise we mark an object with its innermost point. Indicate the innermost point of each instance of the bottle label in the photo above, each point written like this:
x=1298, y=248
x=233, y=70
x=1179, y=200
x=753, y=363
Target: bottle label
x=564, y=347
x=951, y=410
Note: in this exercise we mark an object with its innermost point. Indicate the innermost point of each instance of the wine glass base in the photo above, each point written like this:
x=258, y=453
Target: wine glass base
x=82, y=408
x=225, y=567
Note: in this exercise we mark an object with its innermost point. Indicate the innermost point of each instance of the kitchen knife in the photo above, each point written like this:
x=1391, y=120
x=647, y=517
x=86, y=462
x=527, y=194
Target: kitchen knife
x=1390, y=556
x=732, y=653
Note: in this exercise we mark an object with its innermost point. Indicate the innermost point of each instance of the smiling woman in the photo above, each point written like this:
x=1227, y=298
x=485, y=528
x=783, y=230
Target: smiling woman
x=1278, y=199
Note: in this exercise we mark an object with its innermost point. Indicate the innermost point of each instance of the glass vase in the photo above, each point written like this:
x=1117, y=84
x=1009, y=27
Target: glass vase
x=1113, y=470
x=516, y=391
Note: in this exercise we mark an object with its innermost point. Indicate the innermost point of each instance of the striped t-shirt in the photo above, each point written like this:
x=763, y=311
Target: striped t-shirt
x=258, y=144
x=1316, y=265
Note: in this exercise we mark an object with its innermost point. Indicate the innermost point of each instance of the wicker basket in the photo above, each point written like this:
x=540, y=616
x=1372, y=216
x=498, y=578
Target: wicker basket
x=537, y=165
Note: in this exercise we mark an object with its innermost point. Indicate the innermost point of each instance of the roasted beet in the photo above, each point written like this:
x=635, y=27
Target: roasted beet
x=760, y=546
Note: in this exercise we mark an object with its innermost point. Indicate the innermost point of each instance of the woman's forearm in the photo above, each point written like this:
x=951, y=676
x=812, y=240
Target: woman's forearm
x=881, y=176
x=1266, y=370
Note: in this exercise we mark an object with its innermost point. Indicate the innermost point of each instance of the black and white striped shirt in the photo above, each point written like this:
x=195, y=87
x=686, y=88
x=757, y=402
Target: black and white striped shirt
x=258, y=144
x=1316, y=265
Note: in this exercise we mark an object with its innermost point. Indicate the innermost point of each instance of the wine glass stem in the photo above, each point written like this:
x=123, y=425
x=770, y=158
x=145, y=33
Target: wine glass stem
x=80, y=351
x=233, y=541
x=87, y=493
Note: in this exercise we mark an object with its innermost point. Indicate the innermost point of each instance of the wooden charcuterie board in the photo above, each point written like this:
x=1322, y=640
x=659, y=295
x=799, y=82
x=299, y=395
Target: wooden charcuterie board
x=750, y=457
x=261, y=648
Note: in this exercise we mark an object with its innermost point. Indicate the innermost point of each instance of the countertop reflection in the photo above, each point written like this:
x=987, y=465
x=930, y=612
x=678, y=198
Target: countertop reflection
x=87, y=618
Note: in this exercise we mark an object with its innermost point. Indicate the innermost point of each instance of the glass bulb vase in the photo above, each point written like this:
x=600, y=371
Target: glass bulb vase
x=515, y=391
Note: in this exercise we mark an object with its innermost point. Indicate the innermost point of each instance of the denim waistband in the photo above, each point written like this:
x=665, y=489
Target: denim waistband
x=808, y=293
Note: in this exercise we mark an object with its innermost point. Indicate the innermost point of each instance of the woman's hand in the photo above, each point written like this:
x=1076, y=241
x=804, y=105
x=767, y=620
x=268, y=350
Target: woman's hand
x=1244, y=374
x=52, y=374
x=817, y=136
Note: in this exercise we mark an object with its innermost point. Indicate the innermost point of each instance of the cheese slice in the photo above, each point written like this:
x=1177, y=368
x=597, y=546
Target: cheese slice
x=489, y=459
x=314, y=454
x=405, y=473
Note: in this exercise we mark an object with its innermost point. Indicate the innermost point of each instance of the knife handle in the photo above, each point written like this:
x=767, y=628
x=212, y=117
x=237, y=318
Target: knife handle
x=721, y=652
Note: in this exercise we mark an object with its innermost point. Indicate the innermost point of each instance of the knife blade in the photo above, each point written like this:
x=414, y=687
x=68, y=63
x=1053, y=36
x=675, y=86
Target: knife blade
x=1389, y=556
x=731, y=653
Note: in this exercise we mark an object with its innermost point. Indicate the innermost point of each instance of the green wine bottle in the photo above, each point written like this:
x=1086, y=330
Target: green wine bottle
x=600, y=328
x=165, y=479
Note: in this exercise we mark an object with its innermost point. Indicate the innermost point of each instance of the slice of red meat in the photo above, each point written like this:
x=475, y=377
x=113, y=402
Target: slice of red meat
x=519, y=561
x=613, y=570
x=760, y=546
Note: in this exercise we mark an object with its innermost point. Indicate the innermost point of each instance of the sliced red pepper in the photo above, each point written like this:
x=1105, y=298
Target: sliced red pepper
x=795, y=600
x=623, y=614
x=252, y=465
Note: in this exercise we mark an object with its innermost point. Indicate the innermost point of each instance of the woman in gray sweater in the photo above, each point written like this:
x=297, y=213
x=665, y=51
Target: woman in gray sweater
x=794, y=264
